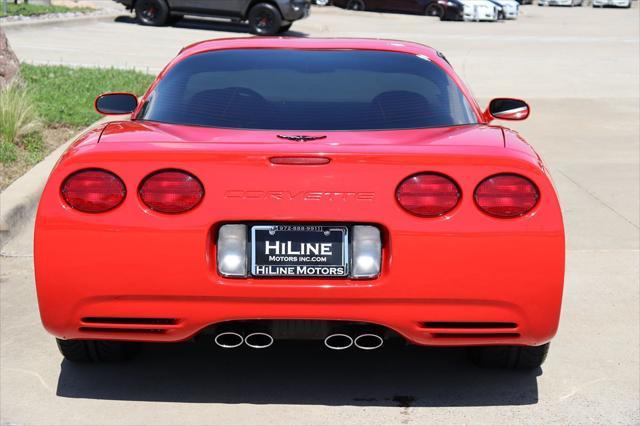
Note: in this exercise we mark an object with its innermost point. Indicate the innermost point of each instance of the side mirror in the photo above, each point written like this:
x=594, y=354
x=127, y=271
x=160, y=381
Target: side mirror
x=116, y=103
x=508, y=109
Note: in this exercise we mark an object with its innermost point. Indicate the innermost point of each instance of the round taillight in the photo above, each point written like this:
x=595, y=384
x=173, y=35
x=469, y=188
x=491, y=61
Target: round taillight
x=428, y=194
x=506, y=195
x=93, y=191
x=171, y=191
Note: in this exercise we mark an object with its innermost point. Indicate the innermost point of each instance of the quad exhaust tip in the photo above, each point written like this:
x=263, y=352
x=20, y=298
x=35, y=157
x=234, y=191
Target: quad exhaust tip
x=229, y=339
x=338, y=341
x=335, y=341
x=368, y=341
x=258, y=340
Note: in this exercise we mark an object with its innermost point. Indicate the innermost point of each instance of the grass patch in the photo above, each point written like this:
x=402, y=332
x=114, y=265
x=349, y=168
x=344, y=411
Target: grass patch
x=23, y=9
x=55, y=103
x=8, y=152
x=65, y=95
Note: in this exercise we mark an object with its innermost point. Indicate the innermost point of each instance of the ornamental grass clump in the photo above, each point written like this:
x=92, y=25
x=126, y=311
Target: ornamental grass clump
x=18, y=118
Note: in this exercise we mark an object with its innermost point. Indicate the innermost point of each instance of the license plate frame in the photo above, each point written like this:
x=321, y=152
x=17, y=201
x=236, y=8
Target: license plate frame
x=335, y=266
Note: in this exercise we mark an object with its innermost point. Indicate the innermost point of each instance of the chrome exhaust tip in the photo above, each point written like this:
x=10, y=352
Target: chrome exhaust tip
x=338, y=341
x=229, y=339
x=368, y=341
x=258, y=340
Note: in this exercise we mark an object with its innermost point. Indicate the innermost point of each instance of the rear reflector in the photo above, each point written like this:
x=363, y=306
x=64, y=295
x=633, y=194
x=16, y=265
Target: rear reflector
x=428, y=194
x=128, y=320
x=93, y=191
x=470, y=325
x=128, y=325
x=171, y=191
x=506, y=195
x=475, y=335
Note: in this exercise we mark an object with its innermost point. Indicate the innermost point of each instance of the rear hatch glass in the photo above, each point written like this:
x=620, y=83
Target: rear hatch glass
x=322, y=90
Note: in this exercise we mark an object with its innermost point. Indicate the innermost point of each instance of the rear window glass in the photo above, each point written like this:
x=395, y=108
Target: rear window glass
x=308, y=90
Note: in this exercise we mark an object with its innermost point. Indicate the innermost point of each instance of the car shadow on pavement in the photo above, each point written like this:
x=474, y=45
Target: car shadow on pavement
x=300, y=373
x=209, y=25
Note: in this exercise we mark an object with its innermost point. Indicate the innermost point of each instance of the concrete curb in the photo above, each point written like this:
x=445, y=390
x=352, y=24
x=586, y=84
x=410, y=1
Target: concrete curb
x=20, y=199
x=16, y=25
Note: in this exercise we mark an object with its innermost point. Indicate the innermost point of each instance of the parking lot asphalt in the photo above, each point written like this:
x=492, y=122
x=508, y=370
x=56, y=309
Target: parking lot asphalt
x=578, y=68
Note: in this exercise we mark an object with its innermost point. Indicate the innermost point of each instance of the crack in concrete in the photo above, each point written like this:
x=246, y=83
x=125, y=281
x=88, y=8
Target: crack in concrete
x=595, y=197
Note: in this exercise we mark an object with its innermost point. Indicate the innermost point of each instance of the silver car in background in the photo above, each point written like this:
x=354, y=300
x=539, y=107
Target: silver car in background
x=611, y=3
x=569, y=3
x=508, y=9
x=479, y=10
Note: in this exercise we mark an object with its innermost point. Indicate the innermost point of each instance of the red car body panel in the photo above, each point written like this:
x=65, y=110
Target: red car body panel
x=465, y=266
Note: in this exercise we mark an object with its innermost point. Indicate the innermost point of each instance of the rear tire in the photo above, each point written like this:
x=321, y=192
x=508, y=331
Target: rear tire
x=152, y=12
x=510, y=357
x=94, y=350
x=434, y=9
x=264, y=19
x=356, y=5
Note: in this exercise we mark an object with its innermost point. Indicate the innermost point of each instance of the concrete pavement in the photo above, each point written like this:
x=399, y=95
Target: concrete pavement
x=579, y=69
x=547, y=52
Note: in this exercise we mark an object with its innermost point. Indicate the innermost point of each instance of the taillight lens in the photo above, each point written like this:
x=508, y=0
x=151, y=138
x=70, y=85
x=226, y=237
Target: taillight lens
x=93, y=191
x=506, y=195
x=171, y=191
x=428, y=194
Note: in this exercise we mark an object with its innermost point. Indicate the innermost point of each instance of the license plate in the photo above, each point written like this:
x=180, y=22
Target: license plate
x=299, y=251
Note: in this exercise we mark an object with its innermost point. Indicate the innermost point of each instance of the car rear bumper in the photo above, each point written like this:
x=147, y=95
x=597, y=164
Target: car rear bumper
x=170, y=319
x=147, y=285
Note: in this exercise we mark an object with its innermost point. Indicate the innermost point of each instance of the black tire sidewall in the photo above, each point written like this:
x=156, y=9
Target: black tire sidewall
x=83, y=351
x=510, y=357
x=362, y=4
x=439, y=10
x=254, y=17
x=162, y=14
x=448, y=15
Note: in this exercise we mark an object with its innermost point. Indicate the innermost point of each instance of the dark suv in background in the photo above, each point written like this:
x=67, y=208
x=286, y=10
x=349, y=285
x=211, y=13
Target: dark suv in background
x=264, y=18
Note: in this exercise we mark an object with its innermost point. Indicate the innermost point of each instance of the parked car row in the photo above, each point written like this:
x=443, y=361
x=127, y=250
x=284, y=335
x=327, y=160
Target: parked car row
x=270, y=17
x=462, y=10
x=446, y=10
x=594, y=3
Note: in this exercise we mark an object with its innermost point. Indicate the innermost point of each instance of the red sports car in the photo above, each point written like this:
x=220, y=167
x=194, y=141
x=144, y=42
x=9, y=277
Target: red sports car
x=346, y=190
